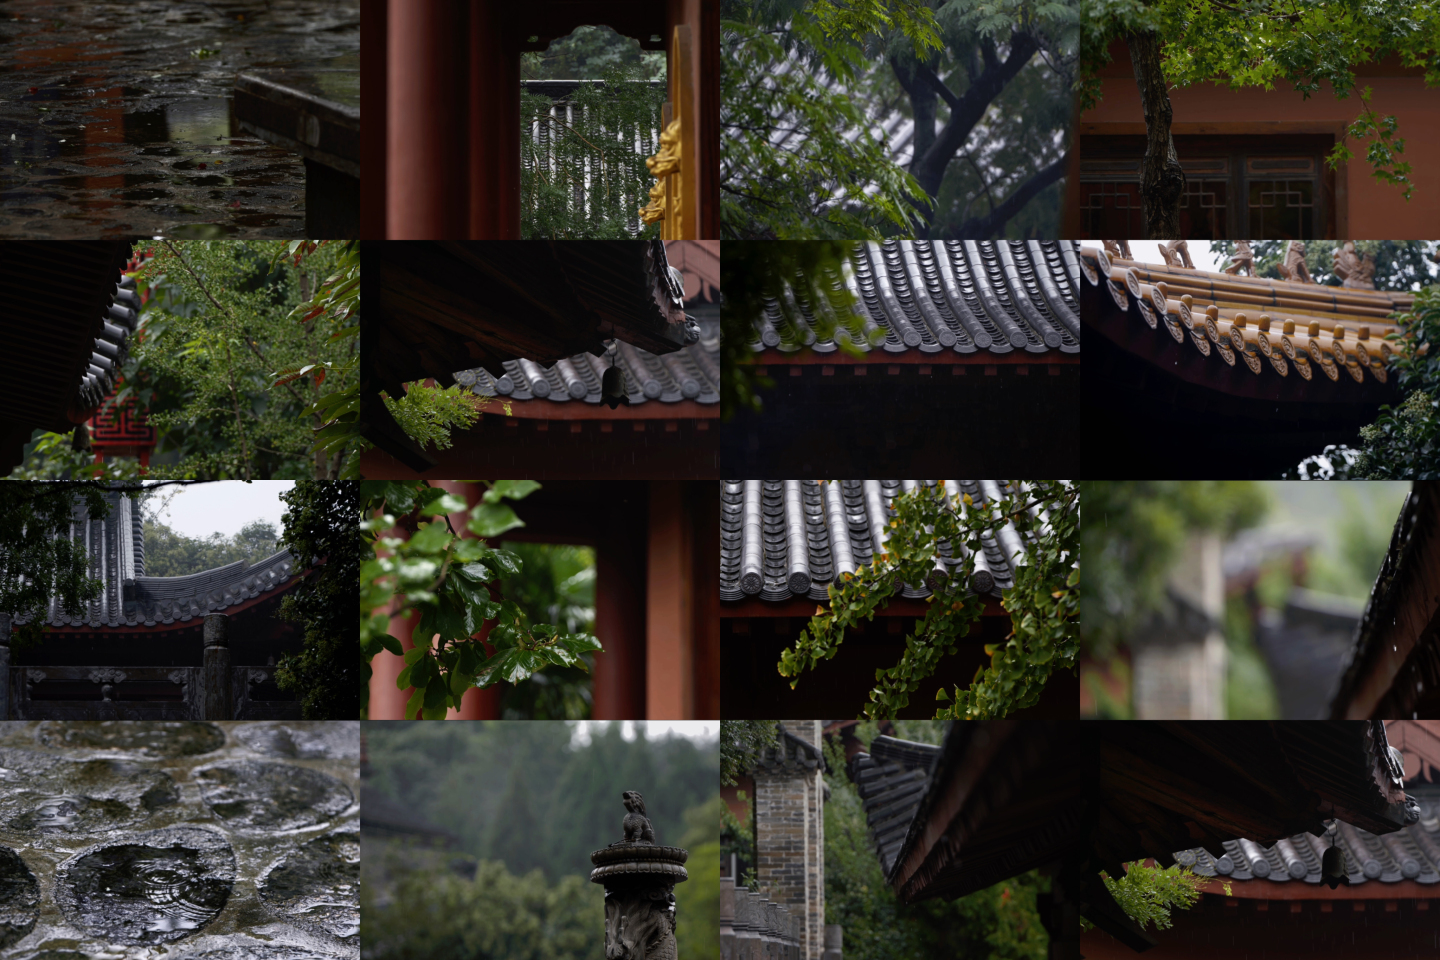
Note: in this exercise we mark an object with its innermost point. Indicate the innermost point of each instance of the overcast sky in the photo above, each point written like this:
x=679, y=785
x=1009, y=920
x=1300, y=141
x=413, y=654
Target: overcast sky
x=200, y=509
x=697, y=730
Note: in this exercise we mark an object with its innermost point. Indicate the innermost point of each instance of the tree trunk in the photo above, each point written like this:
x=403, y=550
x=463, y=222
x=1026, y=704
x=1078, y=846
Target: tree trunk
x=1162, y=181
x=923, y=100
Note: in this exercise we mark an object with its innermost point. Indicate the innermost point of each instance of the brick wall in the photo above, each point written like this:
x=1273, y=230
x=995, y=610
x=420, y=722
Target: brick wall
x=790, y=833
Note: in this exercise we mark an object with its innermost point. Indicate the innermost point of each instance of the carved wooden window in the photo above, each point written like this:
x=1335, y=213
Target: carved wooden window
x=1255, y=188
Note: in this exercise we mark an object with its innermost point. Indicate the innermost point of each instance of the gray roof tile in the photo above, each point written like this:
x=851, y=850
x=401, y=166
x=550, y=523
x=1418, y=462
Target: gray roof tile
x=891, y=780
x=690, y=373
x=787, y=538
x=1410, y=853
x=933, y=297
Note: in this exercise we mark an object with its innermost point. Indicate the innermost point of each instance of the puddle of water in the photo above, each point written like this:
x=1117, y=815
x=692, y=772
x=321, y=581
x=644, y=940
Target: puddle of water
x=111, y=850
x=95, y=94
x=158, y=889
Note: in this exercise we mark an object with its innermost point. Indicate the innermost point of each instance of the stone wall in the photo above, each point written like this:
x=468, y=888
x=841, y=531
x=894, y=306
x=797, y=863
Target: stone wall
x=790, y=829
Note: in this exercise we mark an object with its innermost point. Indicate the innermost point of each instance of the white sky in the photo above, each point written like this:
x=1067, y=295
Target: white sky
x=224, y=506
x=1148, y=251
x=697, y=730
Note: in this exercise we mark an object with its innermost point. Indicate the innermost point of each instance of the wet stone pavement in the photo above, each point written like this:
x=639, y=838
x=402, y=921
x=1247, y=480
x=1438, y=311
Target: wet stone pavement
x=115, y=117
x=131, y=840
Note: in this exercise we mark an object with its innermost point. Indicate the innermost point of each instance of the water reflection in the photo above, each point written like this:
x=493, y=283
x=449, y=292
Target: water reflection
x=115, y=116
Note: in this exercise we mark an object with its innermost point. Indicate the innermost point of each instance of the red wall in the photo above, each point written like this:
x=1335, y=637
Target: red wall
x=1376, y=210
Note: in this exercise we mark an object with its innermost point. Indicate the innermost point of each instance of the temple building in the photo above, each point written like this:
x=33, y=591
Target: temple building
x=181, y=647
x=442, y=143
x=1227, y=375
x=783, y=542
x=1275, y=896
x=70, y=313
x=1255, y=160
x=972, y=366
x=533, y=330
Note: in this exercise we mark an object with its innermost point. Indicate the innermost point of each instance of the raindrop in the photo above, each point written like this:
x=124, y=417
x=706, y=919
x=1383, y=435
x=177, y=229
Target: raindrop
x=166, y=885
x=252, y=795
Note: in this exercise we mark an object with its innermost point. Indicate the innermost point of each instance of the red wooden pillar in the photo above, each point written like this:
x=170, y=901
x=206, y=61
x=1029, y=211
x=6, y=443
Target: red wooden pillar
x=494, y=124
x=386, y=701
x=669, y=613
x=426, y=182
x=374, y=15
x=705, y=537
x=619, y=691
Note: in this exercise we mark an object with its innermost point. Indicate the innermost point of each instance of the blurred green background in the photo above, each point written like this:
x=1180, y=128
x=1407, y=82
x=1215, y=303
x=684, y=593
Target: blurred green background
x=1328, y=538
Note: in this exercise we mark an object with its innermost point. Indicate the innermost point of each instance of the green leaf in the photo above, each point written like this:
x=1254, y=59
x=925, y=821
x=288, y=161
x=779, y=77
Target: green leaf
x=430, y=538
x=513, y=489
x=446, y=503
x=413, y=655
x=490, y=520
x=392, y=645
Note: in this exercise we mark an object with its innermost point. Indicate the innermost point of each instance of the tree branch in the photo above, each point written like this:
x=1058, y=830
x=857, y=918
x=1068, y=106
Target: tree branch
x=982, y=228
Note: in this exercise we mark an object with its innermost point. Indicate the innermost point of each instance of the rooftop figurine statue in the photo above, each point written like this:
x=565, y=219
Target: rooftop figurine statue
x=639, y=877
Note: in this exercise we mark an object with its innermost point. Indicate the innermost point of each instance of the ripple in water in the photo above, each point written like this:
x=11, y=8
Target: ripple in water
x=19, y=898
x=253, y=795
x=152, y=892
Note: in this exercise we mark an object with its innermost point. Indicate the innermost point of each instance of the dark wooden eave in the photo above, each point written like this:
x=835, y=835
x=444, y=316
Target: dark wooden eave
x=1167, y=786
x=1394, y=668
x=58, y=294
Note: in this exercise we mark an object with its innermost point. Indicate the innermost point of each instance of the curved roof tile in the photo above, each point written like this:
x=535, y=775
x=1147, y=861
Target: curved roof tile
x=786, y=538
x=934, y=297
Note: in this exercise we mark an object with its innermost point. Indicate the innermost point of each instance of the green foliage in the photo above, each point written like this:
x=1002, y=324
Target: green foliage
x=1042, y=605
x=587, y=53
x=321, y=533
x=556, y=584
x=495, y=916
x=741, y=741
x=1262, y=43
x=448, y=585
x=787, y=168
x=1404, y=441
x=52, y=456
x=218, y=322
x=171, y=554
x=997, y=923
x=1134, y=532
x=697, y=900
x=981, y=178
x=590, y=151
x=1149, y=893
x=338, y=439
x=737, y=837
x=857, y=19
x=1249, y=689
x=456, y=775
x=427, y=414
x=38, y=559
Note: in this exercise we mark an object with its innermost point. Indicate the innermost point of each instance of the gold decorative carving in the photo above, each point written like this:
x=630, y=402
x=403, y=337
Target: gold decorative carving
x=1242, y=259
x=1358, y=273
x=1294, y=268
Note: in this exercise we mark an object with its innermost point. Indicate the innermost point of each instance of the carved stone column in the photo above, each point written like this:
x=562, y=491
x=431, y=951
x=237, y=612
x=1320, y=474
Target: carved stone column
x=4, y=666
x=639, y=878
x=216, y=702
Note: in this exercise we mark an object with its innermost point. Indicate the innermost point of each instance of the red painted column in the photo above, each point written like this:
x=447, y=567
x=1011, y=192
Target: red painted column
x=620, y=572
x=374, y=15
x=494, y=124
x=669, y=612
x=426, y=183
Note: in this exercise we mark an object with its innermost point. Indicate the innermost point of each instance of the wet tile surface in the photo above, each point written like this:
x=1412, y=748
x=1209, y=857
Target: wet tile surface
x=226, y=841
x=115, y=117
